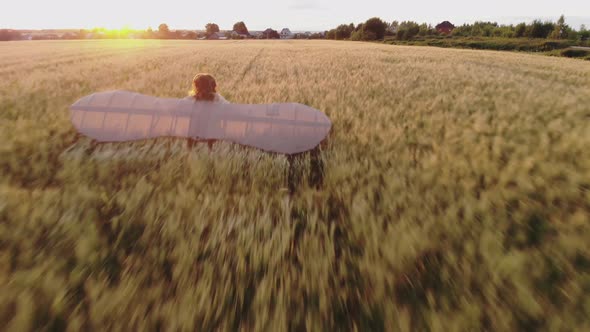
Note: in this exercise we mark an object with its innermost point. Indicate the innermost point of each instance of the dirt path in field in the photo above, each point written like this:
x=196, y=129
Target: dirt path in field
x=249, y=65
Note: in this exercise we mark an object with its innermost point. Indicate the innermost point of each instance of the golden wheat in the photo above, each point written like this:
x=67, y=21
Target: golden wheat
x=455, y=193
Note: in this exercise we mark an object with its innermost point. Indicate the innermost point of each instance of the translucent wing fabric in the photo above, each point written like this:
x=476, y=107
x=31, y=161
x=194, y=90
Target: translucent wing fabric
x=124, y=116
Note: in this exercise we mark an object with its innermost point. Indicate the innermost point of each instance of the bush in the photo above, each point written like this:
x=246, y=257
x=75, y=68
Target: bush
x=573, y=53
x=408, y=30
x=498, y=44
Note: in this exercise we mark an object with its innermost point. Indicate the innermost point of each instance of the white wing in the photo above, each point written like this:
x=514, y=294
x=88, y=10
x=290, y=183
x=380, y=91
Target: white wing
x=123, y=116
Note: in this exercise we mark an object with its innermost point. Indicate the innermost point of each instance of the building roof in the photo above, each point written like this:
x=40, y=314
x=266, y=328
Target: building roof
x=216, y=35
x=445, y=25
x=234, y=32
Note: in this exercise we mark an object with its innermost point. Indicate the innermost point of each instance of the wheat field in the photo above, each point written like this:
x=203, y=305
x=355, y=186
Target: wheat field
x=454, y=193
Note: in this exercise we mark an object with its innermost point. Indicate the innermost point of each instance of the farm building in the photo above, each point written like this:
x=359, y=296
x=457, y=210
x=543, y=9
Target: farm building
x=217, y=36
x=237, y=35
x=445, y=27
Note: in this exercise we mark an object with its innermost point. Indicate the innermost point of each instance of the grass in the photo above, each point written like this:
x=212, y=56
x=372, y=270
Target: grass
x=545, y=46
x=455, y=193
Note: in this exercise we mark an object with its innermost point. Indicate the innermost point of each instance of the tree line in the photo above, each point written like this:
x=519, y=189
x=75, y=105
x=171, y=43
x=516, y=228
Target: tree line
x=372, y=29
x=239, y=31
x=377, y=29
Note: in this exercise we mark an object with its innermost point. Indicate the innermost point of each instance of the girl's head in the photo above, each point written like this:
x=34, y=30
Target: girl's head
x=204, y=87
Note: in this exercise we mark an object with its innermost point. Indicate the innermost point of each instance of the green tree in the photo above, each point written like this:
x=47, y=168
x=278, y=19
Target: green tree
x=394, y=25
x=374, y=29
x=343, y=31
x=240, y=27
x=572, y=34
x=584, y=33
x=148, y=34
x=330, y=34
x=505, y=31
x=484, y=29
x=356, y=35
x=407, y=30
x=270, y=34
x=190, y=35
x=520, y=30
x=425, y=29
x=540, y=29
x=163, y=31
x=211, y=28
x=462, y=31
x=560, y=30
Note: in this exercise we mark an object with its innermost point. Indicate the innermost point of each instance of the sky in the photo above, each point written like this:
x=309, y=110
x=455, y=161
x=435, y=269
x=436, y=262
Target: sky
x=298, y=15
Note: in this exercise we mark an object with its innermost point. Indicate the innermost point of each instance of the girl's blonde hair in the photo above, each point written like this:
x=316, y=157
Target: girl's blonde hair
x=204, y=87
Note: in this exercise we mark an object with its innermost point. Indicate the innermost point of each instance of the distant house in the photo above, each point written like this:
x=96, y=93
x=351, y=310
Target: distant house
x=237, y=35
x=216, y=36
x=445, y=27
x=286, y=34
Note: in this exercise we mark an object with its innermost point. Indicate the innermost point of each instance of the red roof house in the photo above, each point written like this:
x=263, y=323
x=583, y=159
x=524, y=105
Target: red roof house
x=445, y=27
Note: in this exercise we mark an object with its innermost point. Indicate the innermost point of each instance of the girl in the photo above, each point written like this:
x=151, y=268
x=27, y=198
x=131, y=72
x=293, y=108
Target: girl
x=204, y=89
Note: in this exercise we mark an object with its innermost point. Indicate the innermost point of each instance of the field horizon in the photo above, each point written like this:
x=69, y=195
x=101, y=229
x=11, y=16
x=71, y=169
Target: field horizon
x=455, y=193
